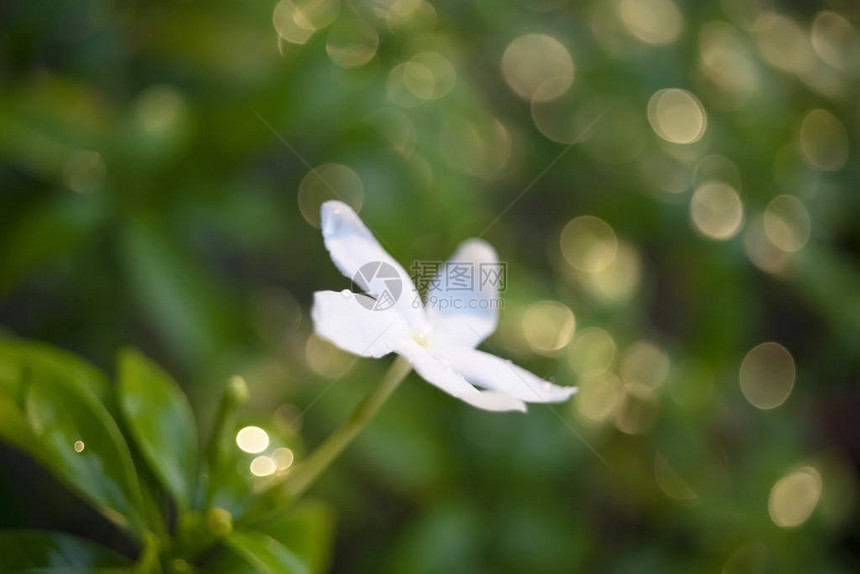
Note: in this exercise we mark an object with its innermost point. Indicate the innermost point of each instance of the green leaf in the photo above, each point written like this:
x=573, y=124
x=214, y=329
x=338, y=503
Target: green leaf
x=30, y=551
x=264, y=553
x=19, y=359
x=14, y=428
x=309, y=531
x=83, y=445
x=161, y=422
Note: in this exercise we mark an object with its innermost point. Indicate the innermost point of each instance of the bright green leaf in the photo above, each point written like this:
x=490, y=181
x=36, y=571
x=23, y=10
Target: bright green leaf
x=31, y=551
x=14, y=428
x=264, y=553
x=83, y=445
x=309, y=530
x=161, y=422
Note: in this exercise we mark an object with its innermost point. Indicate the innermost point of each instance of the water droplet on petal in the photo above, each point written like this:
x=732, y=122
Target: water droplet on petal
x=346, y=293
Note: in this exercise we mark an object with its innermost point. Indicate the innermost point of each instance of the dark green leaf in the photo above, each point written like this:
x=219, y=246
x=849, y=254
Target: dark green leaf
x=21, y=359
x=83, y=445
x=30, y=551
x=161, y=422
x=264, y=553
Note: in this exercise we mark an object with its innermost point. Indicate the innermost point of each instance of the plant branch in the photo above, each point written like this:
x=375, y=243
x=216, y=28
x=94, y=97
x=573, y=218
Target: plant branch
x=306, y=473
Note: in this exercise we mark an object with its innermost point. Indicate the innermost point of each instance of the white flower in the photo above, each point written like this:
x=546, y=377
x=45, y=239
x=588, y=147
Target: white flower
x=438, y=341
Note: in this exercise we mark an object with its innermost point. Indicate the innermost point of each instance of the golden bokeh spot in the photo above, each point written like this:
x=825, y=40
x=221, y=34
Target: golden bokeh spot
x=252, y=439
x=728, y=63
x=351, y=43
x=637, y=409
x=677, y=116
x=588, y=243
x=548, y=327
x=823, y=140
x=767, y=375
x=283, y=458
x=405, y=15
x=325, y=359
x=285, y=25
x=399, y=91
x=786, y=223
x=442, y=75
x=836, y=41
x=263, y=466
x=315, y=15
x=716, y=210
x=761, y=250
x=325, y=182
x=643, y=363
x=794, y=497
x=670, y=482
x=783, y=44
x=618, y=281
x=598, y=397
x=591, y=352
x=419, y=80
x=652, y=21
x=535, y=61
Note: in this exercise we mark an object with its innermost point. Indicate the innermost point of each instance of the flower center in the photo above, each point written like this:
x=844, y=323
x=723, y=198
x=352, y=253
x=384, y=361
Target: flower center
x=422, y=338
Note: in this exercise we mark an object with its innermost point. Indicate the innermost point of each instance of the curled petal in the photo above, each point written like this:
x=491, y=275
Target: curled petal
x=492, y=372
x=349, y=321
x=359, y=256
x=441, y=375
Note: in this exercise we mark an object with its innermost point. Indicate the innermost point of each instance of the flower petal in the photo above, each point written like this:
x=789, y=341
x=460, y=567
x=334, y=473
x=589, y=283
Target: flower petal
x=348, y=320
x=492, y=372
x=439, y=374
x=465, y=316
x=359, y=256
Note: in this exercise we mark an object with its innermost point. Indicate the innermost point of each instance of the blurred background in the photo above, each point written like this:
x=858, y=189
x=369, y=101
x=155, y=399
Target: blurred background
x=686, y=250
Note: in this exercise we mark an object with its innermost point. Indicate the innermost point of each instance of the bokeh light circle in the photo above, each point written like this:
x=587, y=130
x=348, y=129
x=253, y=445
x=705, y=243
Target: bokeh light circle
x=794, y=497
x=716, y=210
x=677, y=116
x=535, y=61
x=786, y=223
x=823, y=140
x=325, y=182
x=548, y=326
x=767, y=375
x=591, y=352
x=588, y=243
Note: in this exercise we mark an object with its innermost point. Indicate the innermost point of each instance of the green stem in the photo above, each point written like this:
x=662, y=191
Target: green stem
x=304, y=475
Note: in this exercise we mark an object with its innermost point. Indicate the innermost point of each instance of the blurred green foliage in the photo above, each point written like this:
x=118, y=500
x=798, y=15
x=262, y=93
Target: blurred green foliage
x=152, y=160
